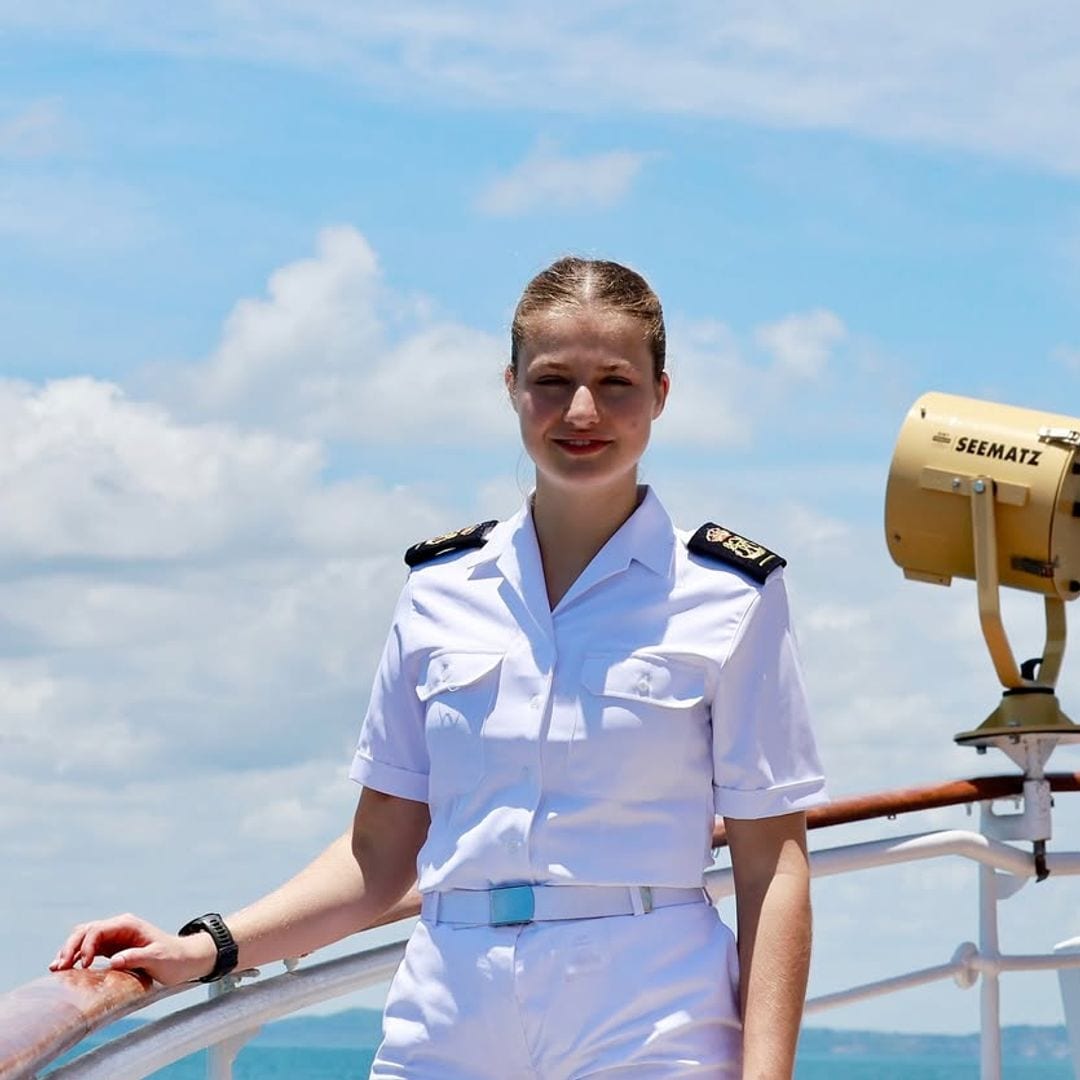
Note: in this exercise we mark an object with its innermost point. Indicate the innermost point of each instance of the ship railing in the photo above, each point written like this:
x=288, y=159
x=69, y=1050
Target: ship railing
x=42, y=1020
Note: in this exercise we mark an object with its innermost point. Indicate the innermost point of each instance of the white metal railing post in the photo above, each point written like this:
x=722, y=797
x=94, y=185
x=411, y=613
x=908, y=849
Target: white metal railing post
x=989, y=990
x=221, y=1055
x=220, y=1058
x=1032, y=823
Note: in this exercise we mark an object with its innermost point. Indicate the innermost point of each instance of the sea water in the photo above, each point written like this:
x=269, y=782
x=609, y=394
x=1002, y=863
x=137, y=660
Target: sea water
x=313, y=1063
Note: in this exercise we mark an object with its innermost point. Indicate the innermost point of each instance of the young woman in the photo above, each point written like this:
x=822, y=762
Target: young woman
x=564, y=702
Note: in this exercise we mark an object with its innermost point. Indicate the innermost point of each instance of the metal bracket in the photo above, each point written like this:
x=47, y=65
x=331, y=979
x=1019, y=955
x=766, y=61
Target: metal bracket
x=966, y=974
x=984, y=535
x=1061, y=436
x=957, y=483
x=1006, y=885
x=1033, y=822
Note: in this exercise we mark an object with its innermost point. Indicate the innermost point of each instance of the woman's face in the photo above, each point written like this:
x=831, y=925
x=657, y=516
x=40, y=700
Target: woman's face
x=586, y=397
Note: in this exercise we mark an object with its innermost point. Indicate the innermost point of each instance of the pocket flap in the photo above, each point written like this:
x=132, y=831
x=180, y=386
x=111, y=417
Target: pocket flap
x=648, y=678
x=452, y=671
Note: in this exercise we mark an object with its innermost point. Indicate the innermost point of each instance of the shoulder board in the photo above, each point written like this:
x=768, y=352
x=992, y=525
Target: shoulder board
x=474, y=536
x=715, y=542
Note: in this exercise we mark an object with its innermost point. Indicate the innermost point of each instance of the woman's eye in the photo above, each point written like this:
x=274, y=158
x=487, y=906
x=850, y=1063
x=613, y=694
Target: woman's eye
x=551, y=380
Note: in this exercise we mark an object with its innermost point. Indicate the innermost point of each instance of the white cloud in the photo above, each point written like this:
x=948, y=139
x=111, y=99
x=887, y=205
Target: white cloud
x=87, y=472
x=710, y=384
x=722, y=394
x=800, y=344
x=163, y=580
x=25, y=690
x=548, y=180
x=980, y=76
x=331, y=352
x=33, y=132
x=320, y=313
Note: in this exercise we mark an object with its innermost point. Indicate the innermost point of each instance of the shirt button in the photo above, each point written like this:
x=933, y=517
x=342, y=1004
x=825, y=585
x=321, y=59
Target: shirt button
x=534, y=701
x=643, y=685
x=513, y=843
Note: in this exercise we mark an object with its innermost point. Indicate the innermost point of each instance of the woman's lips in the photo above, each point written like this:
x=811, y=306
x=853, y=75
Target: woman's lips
x=582, y=447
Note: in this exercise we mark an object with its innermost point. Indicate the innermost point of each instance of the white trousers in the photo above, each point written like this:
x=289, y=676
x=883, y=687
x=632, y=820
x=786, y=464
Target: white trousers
x=648, y=997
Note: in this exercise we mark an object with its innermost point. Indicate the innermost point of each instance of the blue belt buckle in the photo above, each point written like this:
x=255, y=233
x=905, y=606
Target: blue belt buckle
x=512, y=905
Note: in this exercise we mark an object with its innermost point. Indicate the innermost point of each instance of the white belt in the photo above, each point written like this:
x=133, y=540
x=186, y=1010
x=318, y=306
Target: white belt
x=515, y=905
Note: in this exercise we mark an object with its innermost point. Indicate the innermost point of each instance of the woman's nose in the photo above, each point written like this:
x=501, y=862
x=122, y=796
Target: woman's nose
x=582, y=407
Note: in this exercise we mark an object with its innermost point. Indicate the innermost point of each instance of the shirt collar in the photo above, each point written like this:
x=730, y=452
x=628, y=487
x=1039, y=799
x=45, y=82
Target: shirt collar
x=647, y=537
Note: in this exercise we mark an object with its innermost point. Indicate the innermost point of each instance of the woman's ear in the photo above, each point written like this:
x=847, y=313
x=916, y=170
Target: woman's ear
x=510, y=382
x=663, y=385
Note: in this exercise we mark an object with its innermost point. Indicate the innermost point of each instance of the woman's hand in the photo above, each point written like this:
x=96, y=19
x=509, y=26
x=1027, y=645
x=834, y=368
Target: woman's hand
x=130, y=942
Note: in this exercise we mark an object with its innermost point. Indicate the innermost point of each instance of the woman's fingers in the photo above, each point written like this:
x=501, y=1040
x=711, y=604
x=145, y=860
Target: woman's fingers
x=105, y=937
x=128, y=959
x=109, y=936
x=65, y=957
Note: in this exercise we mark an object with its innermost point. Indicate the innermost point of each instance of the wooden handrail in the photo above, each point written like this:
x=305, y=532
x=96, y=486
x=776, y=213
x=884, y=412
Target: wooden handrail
x=909, y=800
x=43, y=1018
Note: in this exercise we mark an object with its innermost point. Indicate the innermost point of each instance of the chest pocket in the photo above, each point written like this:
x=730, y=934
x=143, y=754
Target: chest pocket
x=458, y=691
x=643, y=728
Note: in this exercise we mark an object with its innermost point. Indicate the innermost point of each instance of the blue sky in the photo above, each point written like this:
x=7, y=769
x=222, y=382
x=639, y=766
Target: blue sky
x=258, y=266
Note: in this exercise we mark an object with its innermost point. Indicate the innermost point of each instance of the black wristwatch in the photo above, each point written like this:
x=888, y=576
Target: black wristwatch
x=227, y=951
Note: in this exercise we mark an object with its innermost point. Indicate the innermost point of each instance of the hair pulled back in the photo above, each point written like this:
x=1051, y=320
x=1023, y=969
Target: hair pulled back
x=573, y=282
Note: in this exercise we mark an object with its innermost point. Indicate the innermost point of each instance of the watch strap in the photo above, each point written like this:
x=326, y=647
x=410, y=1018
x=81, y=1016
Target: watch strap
x=227, y=950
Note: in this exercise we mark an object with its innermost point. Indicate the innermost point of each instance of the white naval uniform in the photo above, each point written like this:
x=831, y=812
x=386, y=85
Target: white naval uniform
x=590, y=744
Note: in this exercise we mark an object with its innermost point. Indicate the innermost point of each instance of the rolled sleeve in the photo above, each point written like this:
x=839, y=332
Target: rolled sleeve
x=765, y=761
x=389, y=779
x=391, y=754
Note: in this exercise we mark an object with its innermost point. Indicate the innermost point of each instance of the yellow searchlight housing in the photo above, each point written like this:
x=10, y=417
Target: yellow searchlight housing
x=992, y=492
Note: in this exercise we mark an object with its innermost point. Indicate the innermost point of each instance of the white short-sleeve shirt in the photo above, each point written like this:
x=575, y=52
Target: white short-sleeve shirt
x=592, y=743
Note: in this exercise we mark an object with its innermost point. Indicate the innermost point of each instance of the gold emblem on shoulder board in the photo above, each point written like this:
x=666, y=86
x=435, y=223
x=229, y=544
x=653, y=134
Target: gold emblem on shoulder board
x=715, y=535
x=472, y=536
x=745, y=549
x=447, y=537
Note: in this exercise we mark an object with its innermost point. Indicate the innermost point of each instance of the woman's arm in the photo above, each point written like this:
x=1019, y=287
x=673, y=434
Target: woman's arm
x=357, y=878
x=772, y=893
